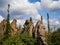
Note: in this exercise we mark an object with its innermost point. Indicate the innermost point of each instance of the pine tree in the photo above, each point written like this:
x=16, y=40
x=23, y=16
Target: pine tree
x=8, y=27
x=41, y=19
x=49, y=31
x=48, y=22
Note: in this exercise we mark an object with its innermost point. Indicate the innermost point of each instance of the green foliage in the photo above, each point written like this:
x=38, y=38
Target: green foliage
x=18, y=39
x=13, y=40
x=27, y=39
x=48, y=39
x=8, y=27
x=56, y=37
x=53, y=38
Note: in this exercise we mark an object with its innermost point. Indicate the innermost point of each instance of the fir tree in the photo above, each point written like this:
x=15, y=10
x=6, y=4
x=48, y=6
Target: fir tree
x=8, y=27
x=41, y=19
x=49, y=31
x=48, y=22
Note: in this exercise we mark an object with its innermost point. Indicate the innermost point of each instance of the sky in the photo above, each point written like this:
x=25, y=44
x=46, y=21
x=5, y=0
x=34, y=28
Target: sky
x=24, y=9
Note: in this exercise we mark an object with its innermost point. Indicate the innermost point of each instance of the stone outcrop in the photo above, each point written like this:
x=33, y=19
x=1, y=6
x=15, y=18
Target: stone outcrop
x=40, y=31
x=13, y=26
x=39, y=26
x=31, y=26
x=28, y=26
x=37, y=31
x=3, y=26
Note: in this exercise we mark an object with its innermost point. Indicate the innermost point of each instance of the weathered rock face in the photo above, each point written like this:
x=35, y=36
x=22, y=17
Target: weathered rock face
x=28, y=26
x=40, y=28
x=31, y=26
x=3, y=26
x=13, y=26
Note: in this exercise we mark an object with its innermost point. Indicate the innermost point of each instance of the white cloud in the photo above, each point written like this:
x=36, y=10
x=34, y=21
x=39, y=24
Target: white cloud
x=54, y=22
x=23, y=6
x=37, y=5
x=1, y=18
x=20, y=22
x=57, y=22
x=51, y=5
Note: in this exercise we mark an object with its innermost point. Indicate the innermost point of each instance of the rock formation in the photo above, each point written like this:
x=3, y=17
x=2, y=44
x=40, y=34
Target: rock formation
x=40, y=31
x=2, y=26
x=31, y=26
x=28, y=26
x=13, y=26
x=37, y=31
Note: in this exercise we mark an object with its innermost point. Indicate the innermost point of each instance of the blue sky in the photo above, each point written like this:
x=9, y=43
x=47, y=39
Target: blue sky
x=24, y=9
x=33, y=1
x=43, y=12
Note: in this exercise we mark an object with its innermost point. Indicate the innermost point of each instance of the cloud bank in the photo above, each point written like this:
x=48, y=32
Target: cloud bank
x=23, y=9
x=20, y=9
x=1, y=18
x=50, y=5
